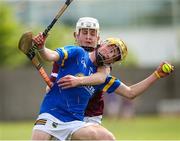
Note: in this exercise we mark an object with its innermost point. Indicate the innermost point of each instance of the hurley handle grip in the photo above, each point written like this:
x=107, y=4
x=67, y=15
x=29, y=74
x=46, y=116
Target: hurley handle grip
x=41, y=70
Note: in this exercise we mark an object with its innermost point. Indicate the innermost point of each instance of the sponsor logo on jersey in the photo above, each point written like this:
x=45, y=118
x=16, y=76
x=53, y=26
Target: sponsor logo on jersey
x=90, y=89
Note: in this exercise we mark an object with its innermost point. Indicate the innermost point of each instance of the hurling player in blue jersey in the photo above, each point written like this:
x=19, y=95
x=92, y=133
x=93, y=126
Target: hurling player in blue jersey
x=62, y=110
x=87, y=35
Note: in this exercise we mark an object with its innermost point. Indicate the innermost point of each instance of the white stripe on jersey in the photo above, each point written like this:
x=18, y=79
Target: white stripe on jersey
x=54, y=74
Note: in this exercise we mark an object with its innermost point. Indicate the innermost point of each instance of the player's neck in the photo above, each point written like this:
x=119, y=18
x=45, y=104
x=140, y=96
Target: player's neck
x=92, y=57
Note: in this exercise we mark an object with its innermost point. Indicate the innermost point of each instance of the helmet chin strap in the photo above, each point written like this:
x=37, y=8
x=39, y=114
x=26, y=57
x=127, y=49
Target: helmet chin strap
x=89, y=49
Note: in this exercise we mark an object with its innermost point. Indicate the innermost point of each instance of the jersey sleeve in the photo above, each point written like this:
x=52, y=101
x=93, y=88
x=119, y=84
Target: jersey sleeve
x=68, y=52
x=111, y=84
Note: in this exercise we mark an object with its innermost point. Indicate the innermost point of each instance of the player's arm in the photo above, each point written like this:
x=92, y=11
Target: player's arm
x=46, y=54
x=137, y=89
x=95, y=79
x=49, y=55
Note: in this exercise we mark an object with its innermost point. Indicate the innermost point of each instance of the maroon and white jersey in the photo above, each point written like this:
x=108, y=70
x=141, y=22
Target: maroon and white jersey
x=54, y=72
x=96, y=103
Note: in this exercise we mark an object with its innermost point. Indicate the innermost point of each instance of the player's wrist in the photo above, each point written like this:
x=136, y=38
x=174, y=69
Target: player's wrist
x=157, y=74
x=81, y=81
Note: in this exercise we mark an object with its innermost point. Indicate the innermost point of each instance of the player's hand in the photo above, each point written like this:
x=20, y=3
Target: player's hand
x=68, y=81
x=160, y=72
x=39, y=41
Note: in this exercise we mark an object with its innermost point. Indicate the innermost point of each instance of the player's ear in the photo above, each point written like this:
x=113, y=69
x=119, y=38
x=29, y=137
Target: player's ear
x=74, y=34
x=98, y=38
x=75, y=37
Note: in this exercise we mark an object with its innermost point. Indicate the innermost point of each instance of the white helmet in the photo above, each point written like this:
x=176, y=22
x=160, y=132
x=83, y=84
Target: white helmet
x=87, y=22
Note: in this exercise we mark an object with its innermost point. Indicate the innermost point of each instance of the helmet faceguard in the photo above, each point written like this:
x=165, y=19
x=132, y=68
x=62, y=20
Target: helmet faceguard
x=115, y=45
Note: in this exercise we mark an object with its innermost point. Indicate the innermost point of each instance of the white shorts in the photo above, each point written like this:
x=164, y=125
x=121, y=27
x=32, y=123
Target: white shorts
x=94, y=120
x=60, y=130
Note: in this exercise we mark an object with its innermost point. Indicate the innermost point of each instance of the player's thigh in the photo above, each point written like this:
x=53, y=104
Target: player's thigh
x=93, y=132
x=84, y=133
x=104, y=134
x=40, y=135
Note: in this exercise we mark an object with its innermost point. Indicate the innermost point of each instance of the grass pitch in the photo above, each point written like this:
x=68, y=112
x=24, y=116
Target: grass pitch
x=145, y=128
x=138, y=128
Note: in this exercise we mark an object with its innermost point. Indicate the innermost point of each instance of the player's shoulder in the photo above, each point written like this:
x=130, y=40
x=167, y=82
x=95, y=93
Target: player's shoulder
x=111, y=78
x=70, y=48
x=73, y=48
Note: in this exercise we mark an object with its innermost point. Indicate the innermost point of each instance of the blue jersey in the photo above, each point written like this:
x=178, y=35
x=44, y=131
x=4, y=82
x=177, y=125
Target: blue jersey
x=70, y=104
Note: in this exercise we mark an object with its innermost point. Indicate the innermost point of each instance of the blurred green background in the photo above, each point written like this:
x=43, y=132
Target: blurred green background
x=138, y=128
x=147, y=26
x=151, y=29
